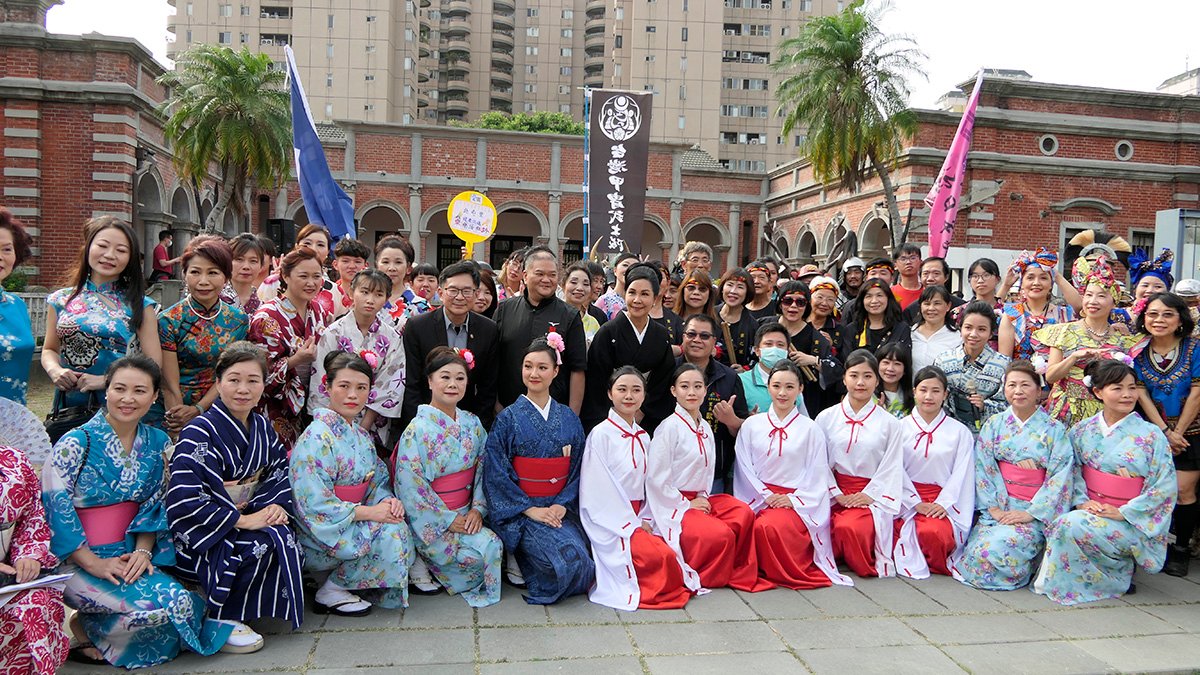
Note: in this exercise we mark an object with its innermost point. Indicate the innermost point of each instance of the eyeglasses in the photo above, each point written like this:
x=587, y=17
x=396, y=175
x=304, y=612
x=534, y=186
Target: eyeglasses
x=980, y=277
x=789, y=301
x=693, y=335
x=459, y=292
x=908, y=258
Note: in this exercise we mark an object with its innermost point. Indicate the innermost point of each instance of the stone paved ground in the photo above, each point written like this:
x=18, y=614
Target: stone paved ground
x=880, y=626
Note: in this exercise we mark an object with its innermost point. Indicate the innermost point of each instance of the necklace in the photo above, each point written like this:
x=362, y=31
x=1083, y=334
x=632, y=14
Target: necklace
x=192, y=307
x=1096, y=334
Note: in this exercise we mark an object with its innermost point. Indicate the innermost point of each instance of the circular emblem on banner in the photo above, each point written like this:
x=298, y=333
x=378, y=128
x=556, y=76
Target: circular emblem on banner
x=620, y=118
x=472, y=218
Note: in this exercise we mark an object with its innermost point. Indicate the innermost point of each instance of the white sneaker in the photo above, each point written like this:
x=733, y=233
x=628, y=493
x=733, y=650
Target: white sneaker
x=513, y=571
x=243, y=639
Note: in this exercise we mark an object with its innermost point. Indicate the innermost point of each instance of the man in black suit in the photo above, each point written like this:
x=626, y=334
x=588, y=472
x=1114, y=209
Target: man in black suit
x=453, y=325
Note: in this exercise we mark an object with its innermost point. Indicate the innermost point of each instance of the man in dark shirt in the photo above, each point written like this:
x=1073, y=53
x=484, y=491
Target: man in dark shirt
x=532, y=315
x=725, y=405
x=762, y=305
x=453, y=325
x=934, y=272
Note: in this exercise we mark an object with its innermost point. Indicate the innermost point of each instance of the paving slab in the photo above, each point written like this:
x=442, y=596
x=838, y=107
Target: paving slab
x=1034, y=658
x=1102, y=622
x=724, y=664
x=898, y=597
x=578, y=609
x=845, y=633
x=957, y=596
x=552, y=642
x=613, y=665
x=653, y=616
x=706, y=638
x=843, y=601
x=426, y=611
x=1175, y=589
x=910, y=660
x=1146, y=654
x=978, y=629
x=441, y=669
x=282, y=652
x=780, y=603
x=418, y=647
x=722, y=604
x=512, y=610
x=1186, y=617
x=378, y=619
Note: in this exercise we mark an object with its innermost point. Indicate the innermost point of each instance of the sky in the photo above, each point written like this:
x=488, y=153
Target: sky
x=1108, y=43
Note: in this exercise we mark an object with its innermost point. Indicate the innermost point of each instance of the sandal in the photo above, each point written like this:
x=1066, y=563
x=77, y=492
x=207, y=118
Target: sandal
x=250, y=640
x=77, y=655
x=322, y=608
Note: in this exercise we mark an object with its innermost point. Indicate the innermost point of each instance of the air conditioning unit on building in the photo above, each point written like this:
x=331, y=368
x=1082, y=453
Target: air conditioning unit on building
x=731, y=32
x=753, y=141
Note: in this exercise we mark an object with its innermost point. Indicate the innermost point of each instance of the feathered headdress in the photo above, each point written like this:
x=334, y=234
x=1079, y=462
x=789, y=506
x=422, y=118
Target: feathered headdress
x=1091, y=243
x=1140, y=266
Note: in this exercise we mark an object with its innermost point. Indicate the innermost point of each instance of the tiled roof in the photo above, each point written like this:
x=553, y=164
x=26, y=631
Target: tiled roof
x=695, y=158
x=331, y=133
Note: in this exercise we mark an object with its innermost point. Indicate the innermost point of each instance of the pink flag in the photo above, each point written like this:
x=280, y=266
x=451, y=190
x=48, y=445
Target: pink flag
x=942, y=199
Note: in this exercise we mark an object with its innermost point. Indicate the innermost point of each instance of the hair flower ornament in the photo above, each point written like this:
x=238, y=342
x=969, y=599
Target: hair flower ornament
x=1122, y=357
x=1087, y=381
x=467, y=356
x=370, y=357
x=557, y=344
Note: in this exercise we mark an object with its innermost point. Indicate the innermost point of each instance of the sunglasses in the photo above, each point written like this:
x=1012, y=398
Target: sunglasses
x=693, y=335
x=789, y=301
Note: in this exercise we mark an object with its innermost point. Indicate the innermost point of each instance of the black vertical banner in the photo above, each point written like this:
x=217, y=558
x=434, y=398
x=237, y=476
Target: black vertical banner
x=618, y=151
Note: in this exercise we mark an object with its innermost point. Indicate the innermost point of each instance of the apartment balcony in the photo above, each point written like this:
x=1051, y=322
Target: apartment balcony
x=591, y=60
x=593, y=26
x=502, y=93
x=502, y=37
x=501, y=78
x=457, y=84
x=595, y=5
x=594, y=37
x=424, y=74
x=423, y=23
x=457, y=26
x=426, y=3
x=593, y=69
x=503, y=5
x=502, y=21
x=504, y=57
x=423, y=50
x=422, y=99
x=454, y=44
x=593, y=80
x=274, y=39
x=458, y=7
x=457, y=105
x=500, y=105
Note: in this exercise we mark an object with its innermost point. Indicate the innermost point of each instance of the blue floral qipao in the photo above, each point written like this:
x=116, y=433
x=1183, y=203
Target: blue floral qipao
x=434, y=445
x=555, y=561
x=245, y=574
x=1089, y=557
x=151, y=620
x=362, y=555
x=93, y=331
x=16, y=347
x=1002, y=557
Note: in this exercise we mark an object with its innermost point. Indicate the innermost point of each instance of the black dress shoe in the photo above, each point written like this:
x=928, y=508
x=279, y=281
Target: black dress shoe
x=1177, y=562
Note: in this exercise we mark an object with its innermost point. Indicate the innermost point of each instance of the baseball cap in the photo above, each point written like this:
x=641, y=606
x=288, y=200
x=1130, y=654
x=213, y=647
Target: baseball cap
x=1187, y=288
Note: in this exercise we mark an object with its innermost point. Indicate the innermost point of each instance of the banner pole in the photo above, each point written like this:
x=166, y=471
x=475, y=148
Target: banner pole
x=587, y=105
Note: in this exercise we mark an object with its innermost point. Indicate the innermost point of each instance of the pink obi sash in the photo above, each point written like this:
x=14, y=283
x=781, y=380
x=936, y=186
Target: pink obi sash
x=455, y=488
x=352, y=493
x=542, y=477
x=1020, y=482
x=1111, y=489
x=103, y=525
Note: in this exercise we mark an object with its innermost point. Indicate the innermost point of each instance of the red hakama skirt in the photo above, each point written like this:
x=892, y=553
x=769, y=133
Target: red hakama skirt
x=659, y=576
x=785, y=549
x=720, y=545
x=854, y=529
x=935, y=536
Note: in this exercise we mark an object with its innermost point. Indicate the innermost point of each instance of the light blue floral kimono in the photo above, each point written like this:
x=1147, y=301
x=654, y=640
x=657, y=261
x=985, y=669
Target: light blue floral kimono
x=1002, y=557
x=435, y=445
x=362, y=555
x=1089, y=557
x=149, y=621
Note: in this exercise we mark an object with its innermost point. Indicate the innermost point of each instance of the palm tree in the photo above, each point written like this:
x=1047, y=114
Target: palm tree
x=846, y=86
x=229, y=110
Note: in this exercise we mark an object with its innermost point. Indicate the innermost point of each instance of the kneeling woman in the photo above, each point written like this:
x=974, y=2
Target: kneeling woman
x=635, y=569
x=347, y=520
x=782, y=472
x=1023, y=465
x=437, y=462
x=229, y=503
x=1124, y=493
x=711, y=534
x=939, y=492
x=103, y=490
x=531, y=479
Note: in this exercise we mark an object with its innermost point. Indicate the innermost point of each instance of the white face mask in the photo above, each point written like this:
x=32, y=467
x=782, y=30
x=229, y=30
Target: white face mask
x=769, y=356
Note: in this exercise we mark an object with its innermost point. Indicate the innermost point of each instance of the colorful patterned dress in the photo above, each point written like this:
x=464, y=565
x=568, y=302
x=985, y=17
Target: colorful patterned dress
x=403, y=308
x=245, y=574
x=1170, y=383
x=1089, y=557
x=1002, y=557
x=555, y=561
x=93, y=331
x=280, y=328
x=1070, y=401
x=611, y=303
x=133, y=625
x=16, y=347
x=983, y=375
x=1026, y=323
x=362, y=555
x=385, y=352
x=32, y=639
x=229, y=294
x=435, y=446
x=197, y=341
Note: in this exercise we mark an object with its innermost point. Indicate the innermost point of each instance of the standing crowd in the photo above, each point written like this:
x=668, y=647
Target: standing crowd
x=350, y=426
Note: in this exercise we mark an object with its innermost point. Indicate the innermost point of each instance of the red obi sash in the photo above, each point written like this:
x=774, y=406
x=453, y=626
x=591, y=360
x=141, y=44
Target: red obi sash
x=928, y=492
x=779, y=490
x=850, y=484
x=1111, y=489
x=637, y=506
x=689, y=494
x=352, y=493
x=542, y=476
x=1020, y=482
x=455, y=488
x=103, y=525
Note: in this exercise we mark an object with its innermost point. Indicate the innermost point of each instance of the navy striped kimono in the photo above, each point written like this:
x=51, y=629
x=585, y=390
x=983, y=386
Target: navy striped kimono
x=245, y=574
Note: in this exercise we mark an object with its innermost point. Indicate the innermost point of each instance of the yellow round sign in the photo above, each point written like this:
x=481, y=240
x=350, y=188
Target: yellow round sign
x=472, y=218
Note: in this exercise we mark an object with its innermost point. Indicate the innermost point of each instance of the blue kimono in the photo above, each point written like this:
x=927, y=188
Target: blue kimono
x=1089, y=557
x=555, y=562
x=1002, y=557
x=435, y=445
x=362, y=555
x=245, y=574
x=149, y=621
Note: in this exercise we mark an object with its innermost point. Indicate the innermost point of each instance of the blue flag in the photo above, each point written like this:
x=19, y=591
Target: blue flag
x=325, y=201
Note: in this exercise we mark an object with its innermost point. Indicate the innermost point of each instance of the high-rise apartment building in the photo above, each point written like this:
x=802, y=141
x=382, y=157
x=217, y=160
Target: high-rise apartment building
x=434, y=61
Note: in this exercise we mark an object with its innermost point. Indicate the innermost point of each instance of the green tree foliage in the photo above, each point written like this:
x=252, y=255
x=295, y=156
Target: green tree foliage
x=538, y=123
x=228, y=111
x=846, y=87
